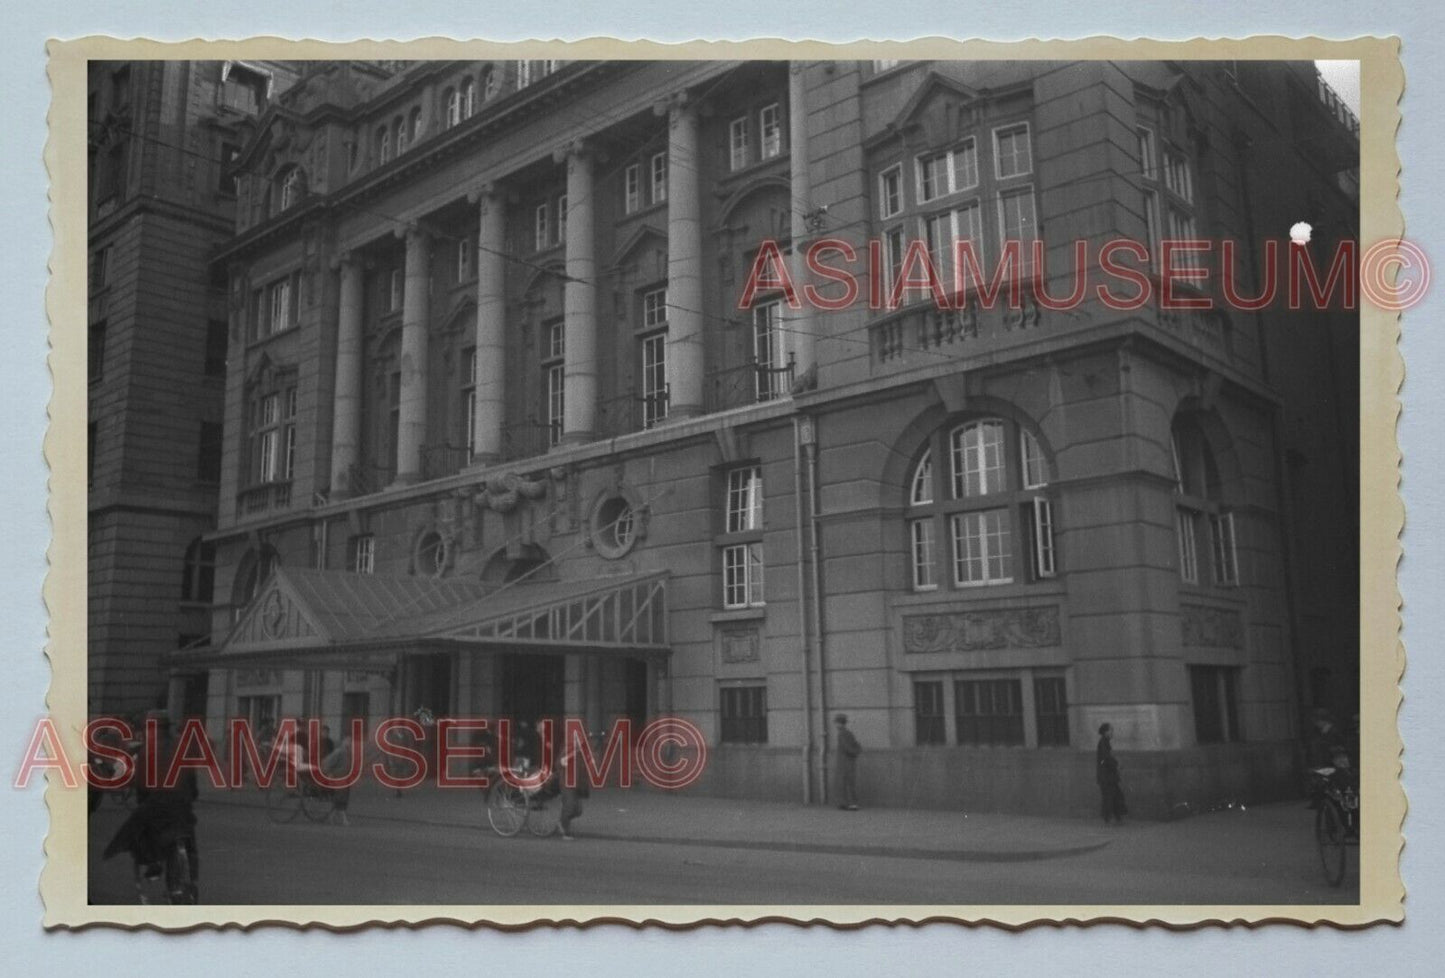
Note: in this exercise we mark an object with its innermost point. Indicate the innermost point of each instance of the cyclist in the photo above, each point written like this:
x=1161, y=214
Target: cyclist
x=164, y=818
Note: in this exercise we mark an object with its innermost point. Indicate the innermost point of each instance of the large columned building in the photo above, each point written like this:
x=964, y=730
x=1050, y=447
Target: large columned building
x=509, y=433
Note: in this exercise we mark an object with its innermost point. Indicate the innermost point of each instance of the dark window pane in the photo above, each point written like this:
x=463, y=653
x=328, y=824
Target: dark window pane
x=989, y=712
x=1052, y=711
x=928, y=712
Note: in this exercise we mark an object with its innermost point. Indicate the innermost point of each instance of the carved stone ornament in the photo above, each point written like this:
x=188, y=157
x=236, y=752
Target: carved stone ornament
x=1003, y=628
x=1215, y=627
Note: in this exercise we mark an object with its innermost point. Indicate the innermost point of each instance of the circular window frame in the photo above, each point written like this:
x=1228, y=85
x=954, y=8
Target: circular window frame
x=436, y=566
x=604, y=518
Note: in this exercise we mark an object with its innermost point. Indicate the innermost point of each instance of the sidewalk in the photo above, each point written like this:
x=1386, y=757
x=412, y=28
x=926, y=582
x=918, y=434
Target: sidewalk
x=649, y=816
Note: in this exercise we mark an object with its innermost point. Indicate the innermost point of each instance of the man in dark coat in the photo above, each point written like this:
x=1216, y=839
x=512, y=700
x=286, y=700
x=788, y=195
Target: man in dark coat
x=164, y=815
x=848, y=750
x=1107, y=774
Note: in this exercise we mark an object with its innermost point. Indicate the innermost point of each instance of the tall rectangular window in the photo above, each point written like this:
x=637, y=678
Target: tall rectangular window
x=982, y=548
x=744, y=714
x=928, y=725
x=1216, y=706
x=742, y=559
x=288, y=436
x=921, y=539
x=541, y=228
x=654, y=379
x=363, y=553
x=1038, y=519
x=281, y=306
x=1146, y=152
x=745, y=499
x=469, y=401
x=1177, y=178
x=890, y=191
x=1051, y=711
x=562, y=218
x=1184, y=520
x=933, y=177
x=659, y=177
x=989, y=712
x=743, y=575
x=524, y=74
x=892, y=260
x=632, y=189
x=738, y=151
x=395, y=284
x=1221, y=535
x=770, y=131
x=977, y=457
x=554, y=377
x=768, y=350
x=1016, y=219
x=1012, y=156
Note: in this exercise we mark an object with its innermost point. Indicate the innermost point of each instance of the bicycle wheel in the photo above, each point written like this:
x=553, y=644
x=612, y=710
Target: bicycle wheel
x=283, y=804
x=317, y=802
x=506, y=809
x=542, y=817
x=1330, y=835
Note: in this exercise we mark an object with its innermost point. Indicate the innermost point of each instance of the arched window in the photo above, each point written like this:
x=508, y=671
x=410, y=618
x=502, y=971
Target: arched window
x=986, y=502
x=1199, y=506
x=398, y=126
x=383, y=145
x=453, y=102
x=491, y=81
x=290, y=188
x=198, y=580
x=416, y=126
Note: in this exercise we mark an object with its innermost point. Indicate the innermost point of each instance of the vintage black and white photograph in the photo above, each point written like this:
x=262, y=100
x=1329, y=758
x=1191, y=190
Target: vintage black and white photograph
x=632, y=482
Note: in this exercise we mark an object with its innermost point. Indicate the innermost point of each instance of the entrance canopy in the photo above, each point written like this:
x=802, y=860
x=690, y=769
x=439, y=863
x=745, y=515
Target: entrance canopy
x=315, y=619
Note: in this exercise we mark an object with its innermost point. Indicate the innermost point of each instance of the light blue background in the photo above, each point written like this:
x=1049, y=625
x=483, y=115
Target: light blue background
x=776, y=950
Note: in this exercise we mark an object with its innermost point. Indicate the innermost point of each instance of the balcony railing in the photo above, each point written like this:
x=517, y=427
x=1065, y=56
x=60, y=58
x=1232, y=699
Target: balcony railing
x=439, y=461
x=530, y=439
x=627, y=412
x=924, y=328
x=263, y=498
x=749, y=383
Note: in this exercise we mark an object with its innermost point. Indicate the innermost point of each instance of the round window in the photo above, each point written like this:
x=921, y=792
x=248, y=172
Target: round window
x=614, y=526
x=432, y=555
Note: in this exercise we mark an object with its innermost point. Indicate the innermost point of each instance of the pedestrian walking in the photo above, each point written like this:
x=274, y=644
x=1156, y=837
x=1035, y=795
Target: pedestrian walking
x=848, y=750
x=1107, y=774
x=573, y=788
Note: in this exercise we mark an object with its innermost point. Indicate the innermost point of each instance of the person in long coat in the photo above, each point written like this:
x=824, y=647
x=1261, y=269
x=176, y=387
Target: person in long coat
x=848, y=750
x=1107, y=774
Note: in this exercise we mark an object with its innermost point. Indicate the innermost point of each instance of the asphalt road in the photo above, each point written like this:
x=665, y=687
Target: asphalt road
x=1264, y=856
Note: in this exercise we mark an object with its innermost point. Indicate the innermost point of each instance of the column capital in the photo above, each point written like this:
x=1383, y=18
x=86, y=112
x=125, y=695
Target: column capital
x=412, y=232
x=575, y=149
x=344, y=258
x=485, y=191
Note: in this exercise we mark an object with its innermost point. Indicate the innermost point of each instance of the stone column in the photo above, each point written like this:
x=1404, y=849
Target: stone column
x=801, y=336
x=346, y=403
x=580, y=304
x=491, y=326
x=415, y=313
x=684, y=263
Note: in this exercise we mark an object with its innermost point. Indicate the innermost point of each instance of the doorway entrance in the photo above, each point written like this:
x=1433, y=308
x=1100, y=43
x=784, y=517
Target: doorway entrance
x=429, y=684
x=531, y=687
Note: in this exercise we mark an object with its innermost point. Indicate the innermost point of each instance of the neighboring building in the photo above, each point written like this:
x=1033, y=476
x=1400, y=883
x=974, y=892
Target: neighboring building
x=499, y=440
x=161, y=134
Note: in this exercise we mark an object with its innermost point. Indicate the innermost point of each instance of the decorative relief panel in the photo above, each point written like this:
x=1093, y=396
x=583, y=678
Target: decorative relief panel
x=1217, y=627
x=740, y=646
x=999, y=628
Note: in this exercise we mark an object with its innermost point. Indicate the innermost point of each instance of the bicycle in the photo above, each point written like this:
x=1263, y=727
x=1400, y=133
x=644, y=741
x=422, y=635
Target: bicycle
x=513, y=807
x=284, y=802
x=1336, y=802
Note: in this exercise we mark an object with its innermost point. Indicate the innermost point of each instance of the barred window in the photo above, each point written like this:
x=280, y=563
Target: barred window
x=744, y=714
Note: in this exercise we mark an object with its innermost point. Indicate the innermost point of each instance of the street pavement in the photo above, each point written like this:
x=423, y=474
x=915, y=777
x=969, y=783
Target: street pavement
x=642, y=846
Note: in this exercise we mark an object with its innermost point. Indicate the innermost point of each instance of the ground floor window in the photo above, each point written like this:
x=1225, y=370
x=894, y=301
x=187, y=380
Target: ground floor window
x=1028, y=708
x=1215, y=693
x=744, y=714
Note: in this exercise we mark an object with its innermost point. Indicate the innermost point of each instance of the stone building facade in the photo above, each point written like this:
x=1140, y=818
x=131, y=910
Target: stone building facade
x=161, y=197
x=501, y=440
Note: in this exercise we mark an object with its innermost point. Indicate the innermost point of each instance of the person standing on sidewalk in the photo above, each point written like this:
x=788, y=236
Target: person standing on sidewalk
x=573, y=788
x=848, y=750
x=1107, y=774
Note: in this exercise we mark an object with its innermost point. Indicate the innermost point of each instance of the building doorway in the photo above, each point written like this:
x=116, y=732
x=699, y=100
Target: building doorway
x=532, y=687
x=355, y=706
x=429, y=684
x=634, y=693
